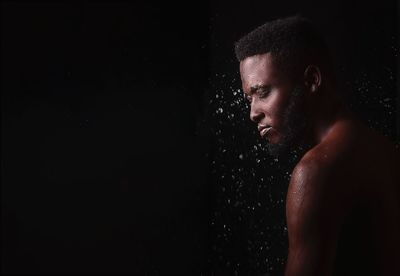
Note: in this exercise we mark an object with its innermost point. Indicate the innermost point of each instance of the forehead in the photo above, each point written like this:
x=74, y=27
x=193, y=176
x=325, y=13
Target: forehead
x=257, y=70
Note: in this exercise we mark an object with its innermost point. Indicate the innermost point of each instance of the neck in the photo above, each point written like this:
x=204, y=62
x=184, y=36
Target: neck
x=329, y=110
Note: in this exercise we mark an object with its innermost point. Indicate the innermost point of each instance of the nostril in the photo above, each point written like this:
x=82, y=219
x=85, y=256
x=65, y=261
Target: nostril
x=256, y=117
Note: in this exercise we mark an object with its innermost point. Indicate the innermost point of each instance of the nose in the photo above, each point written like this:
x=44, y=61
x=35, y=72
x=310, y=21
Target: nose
x=255, y=114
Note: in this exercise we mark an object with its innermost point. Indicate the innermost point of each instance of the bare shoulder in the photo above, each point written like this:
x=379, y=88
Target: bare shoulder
x=314, y=197
x=314, y=179
x=352, y=163
x=321, y=168
x=313, y=212
x=321, y=181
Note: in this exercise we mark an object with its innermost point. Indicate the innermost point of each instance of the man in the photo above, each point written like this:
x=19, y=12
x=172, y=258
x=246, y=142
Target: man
x=342, y=205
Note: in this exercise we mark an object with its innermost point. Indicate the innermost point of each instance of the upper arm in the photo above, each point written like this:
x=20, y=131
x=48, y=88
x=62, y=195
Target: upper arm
x=313, y=218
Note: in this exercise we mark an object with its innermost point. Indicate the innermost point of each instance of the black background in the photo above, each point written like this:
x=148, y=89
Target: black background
x=102, y=171
x=125, y=143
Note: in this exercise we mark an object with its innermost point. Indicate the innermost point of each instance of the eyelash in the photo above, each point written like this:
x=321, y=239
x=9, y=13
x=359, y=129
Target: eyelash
x=262, y=93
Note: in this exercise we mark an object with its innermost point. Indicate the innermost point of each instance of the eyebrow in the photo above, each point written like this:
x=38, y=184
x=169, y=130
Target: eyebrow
x=258, y=86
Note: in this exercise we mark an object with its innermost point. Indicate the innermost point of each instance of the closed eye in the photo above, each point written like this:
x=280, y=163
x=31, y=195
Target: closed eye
x=262, y=92
x=259, y=91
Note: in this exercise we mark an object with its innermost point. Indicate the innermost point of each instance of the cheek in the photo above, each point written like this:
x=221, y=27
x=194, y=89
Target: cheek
x=276, y=105
x=277, y=116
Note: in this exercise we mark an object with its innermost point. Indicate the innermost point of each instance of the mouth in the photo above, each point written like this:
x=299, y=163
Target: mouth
x=264, y=131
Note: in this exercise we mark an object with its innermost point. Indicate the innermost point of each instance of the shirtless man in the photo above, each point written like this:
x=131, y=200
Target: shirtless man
x=342, y=205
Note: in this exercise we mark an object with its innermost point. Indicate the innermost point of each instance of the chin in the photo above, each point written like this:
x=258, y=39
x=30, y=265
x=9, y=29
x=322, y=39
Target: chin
x=277, y=149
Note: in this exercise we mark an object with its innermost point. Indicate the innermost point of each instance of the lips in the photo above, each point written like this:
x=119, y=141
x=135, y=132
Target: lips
x=264, y=129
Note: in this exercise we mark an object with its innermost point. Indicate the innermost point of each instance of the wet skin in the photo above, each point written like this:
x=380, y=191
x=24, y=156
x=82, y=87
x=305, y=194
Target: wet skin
x=342, y=205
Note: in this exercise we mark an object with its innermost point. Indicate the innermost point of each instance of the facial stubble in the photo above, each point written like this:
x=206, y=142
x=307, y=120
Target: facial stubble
x=294, y=121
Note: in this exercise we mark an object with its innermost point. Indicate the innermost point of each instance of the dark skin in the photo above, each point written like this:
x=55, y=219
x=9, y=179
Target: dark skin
x=349, y=171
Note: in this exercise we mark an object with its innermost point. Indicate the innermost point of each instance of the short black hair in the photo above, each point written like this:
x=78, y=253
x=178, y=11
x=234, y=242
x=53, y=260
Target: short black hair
x=294, y=42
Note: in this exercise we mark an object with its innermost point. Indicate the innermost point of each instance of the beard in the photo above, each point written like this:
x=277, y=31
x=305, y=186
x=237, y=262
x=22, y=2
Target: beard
x=295, y=123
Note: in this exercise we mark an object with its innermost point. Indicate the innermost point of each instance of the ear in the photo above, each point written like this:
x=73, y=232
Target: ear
x=312, y=78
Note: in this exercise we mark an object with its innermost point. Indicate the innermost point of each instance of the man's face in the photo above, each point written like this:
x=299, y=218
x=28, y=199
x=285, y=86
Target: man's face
x=276, y=103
